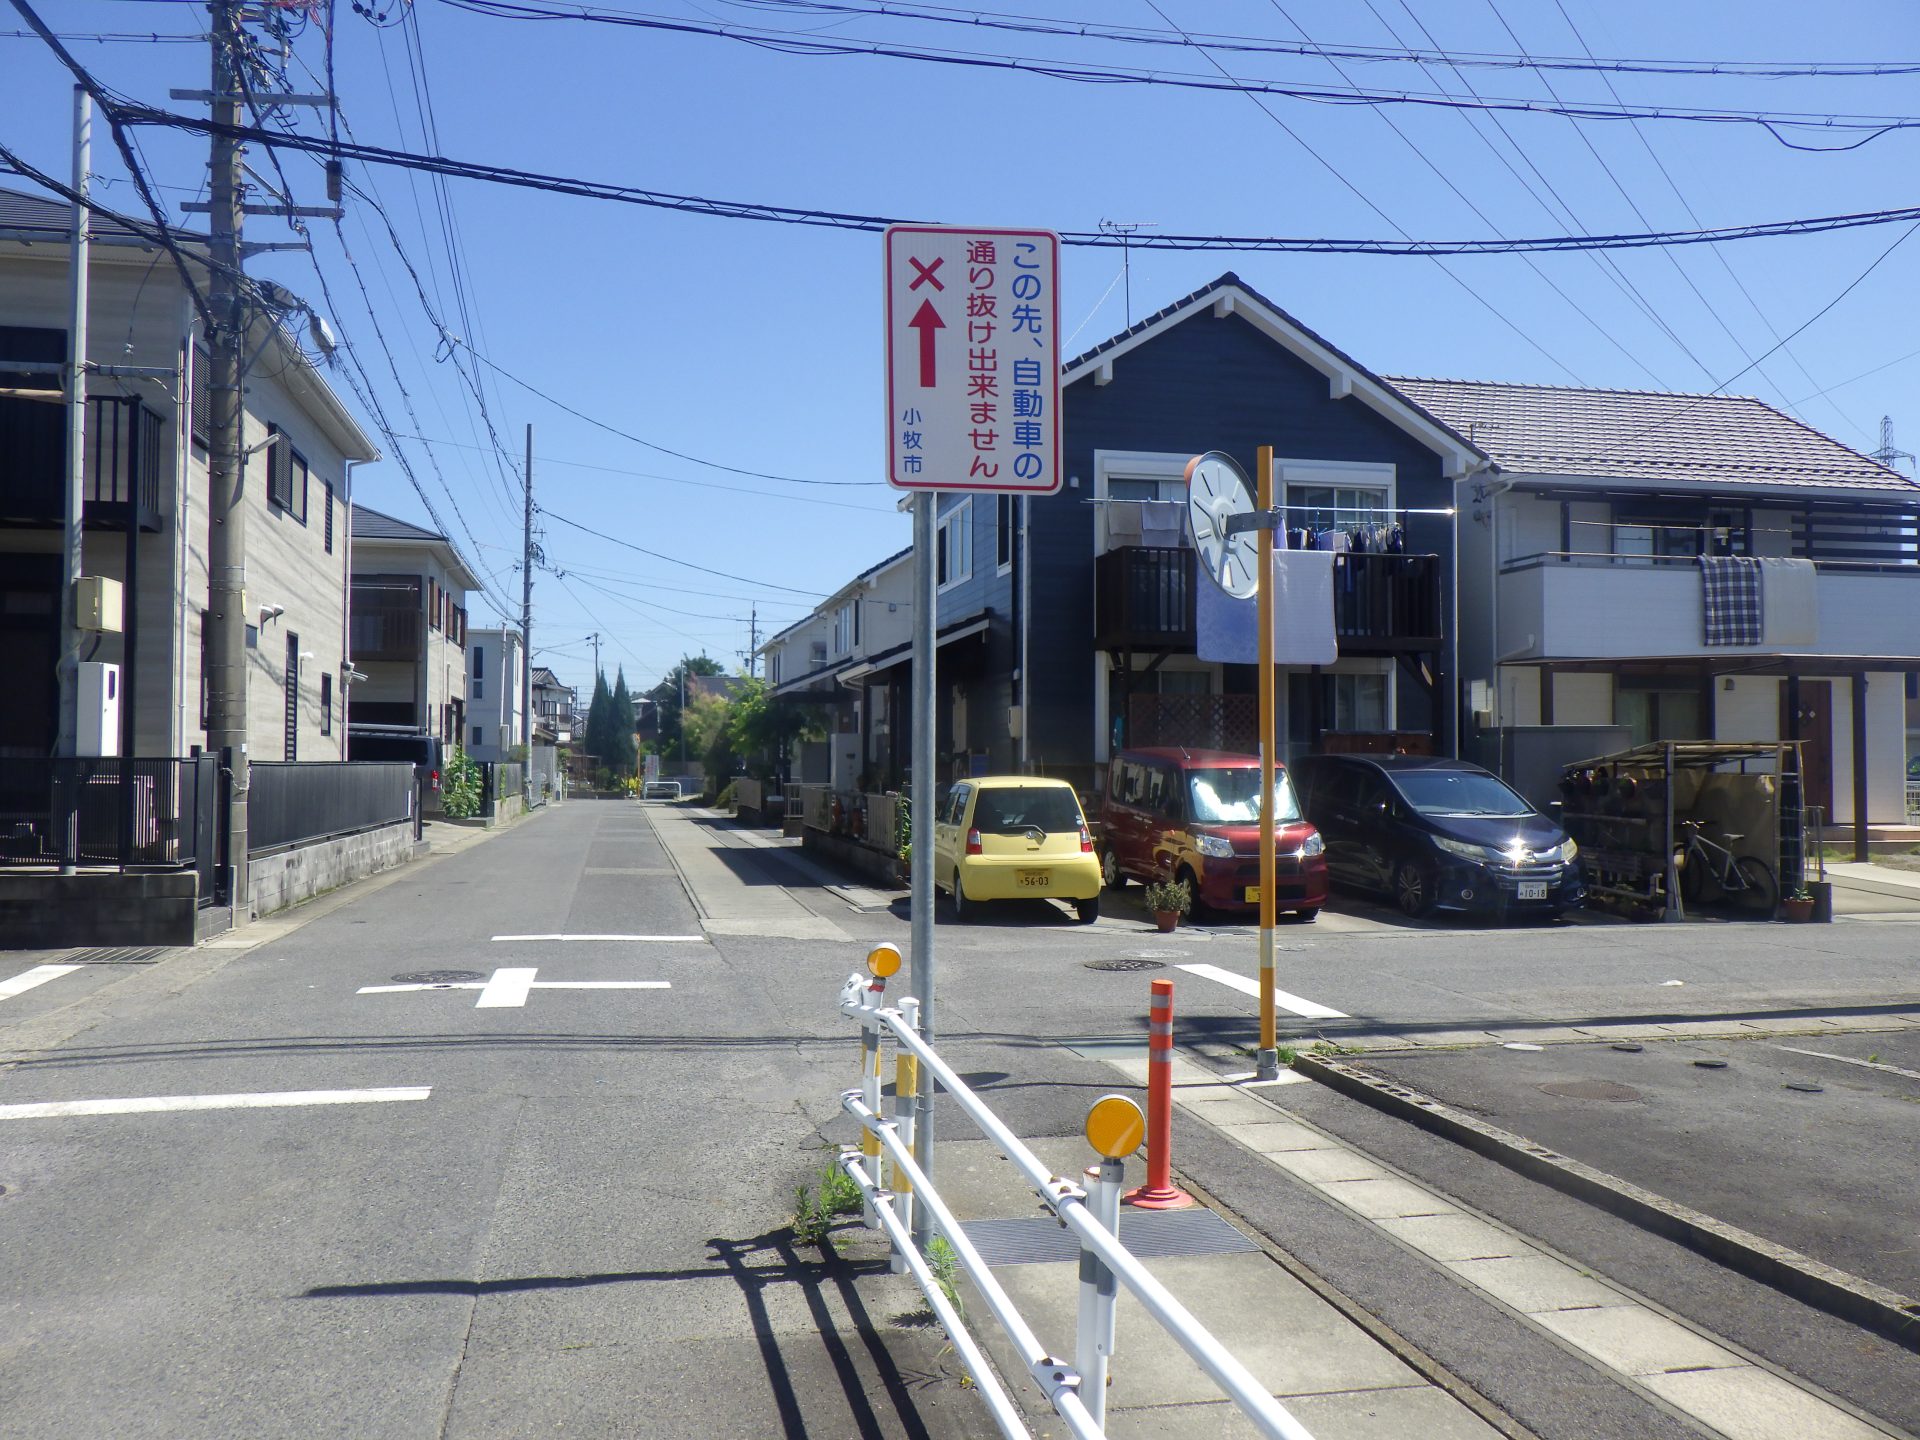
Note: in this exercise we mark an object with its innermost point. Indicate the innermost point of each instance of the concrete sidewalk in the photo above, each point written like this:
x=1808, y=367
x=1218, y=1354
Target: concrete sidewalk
x=737, y=888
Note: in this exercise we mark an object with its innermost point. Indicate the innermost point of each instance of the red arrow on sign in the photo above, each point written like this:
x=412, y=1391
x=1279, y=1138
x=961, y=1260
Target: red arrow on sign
x=926, y=320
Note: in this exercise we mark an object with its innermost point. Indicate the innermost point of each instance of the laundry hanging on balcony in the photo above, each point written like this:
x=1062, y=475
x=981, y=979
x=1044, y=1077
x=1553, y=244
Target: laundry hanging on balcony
x=1226, y=629
x=1790, y=604
x=1731, y=600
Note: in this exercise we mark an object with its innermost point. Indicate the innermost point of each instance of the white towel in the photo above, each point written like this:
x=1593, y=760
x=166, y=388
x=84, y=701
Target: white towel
x=1163, y=522
x=1123, y=523
x=1789, y=604
x=1225, y=629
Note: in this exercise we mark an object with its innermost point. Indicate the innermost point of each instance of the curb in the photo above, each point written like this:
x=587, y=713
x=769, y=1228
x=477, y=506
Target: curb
x=1875, y=1307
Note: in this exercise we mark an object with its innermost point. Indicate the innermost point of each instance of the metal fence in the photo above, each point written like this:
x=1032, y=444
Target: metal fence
x=152, y=812
x=298, y=802
x=500, y=779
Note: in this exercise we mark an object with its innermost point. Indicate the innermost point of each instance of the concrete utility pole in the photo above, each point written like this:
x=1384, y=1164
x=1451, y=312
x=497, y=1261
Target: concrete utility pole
x=753, y=640
x=226, y=462
x=526, y=624
x=926, y=604
x=73, y=544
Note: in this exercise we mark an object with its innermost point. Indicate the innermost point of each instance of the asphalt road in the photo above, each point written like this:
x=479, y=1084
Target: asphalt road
x=578, y=1230
x=581, y=1229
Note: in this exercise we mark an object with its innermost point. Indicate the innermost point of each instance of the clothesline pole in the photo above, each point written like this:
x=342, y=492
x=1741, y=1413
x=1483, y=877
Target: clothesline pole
x=1267, y=1063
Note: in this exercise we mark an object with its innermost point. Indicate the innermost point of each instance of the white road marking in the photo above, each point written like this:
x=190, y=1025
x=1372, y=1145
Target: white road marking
x=1294, y=1004
x=508, y=988
x=152, y=1104
x=637, y=939
x=27, y=979
x=1849, y=1060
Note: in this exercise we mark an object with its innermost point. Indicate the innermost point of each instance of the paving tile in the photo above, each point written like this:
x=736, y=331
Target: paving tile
x=1320, y=1167
x=1635, y=1340
x=1355, y=1415
x=1224, y=1105
x=1745, y=1403
x=1455, y=1237
x=1291, y=1340
x=1540, y=1035
x=1386, y=1199
x=1273, y=1136
x=1531, y=1283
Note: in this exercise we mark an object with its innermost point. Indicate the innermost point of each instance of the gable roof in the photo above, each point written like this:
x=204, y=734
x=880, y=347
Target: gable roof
x=24, y=216
x=545, y=679
x=1230, y=295
x=1647, y=436
x=371, y=524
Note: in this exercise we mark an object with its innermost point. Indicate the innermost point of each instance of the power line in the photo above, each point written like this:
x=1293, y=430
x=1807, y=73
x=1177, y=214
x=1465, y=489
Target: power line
x=674, y=559
x=138, y=114
x=1398, y=54
x=786, y=42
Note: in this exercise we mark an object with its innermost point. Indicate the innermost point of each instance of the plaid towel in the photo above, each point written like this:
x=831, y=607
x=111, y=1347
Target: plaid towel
x=1730, y=588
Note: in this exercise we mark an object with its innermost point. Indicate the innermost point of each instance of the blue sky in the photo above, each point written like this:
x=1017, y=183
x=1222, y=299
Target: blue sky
x=759, y=346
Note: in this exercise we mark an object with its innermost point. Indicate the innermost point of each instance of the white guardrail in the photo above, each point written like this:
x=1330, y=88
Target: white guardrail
x=1076, y=1391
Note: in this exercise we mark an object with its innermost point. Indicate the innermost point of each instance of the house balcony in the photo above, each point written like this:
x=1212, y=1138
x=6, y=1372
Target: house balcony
x=1382, y=604
x=1571, y=607
x=386, y=627
x=126, y=453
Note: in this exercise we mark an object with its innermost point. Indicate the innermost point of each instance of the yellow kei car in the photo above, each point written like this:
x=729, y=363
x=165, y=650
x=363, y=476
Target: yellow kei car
x=1015, y=837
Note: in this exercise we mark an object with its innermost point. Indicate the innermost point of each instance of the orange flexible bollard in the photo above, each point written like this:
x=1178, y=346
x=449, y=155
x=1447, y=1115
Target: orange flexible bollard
x=1160, y=1193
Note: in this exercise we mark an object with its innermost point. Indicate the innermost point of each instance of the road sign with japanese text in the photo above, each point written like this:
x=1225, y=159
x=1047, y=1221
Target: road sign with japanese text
x=973, y=359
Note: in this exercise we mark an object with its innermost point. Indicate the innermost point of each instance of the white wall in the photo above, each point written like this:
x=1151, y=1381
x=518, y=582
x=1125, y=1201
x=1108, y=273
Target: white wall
x=1582, y=699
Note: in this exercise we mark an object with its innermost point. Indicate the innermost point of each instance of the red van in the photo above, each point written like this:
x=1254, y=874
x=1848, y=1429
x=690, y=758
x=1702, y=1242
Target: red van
x=1194, y=815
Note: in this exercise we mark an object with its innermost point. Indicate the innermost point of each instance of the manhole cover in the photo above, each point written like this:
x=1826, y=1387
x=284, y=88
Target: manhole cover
x=1125, y=963
x=1592, y=1090
x=438, y=977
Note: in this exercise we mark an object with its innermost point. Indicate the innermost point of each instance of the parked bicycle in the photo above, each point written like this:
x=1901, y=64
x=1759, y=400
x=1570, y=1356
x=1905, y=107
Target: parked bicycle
x=1744, y=880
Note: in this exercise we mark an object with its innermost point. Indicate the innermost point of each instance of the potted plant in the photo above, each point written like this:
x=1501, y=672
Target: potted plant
x=1796, y=906
x=1168, y=900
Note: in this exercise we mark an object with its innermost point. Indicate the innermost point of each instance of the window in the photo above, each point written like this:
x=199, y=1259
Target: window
x=1360, y=703
x=292, y=678
x=479, y=733
x=326, y=703
x=279, y=474
x=843, y=627
x=326, y=499
x=1006, y=518
x=479, y=673
x=1652, y=714
x=297, y=485
x=433, y=603
x=953, y=549
x=1330, y=507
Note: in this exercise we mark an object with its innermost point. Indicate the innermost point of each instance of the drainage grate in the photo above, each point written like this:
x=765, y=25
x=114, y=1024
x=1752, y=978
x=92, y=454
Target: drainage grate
x=1149, y=1234
x=439, y=977
x=117, y=955
x=1126, y=963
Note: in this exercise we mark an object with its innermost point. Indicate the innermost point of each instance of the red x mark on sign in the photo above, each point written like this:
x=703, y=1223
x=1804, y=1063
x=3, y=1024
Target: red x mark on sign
x=923, y=274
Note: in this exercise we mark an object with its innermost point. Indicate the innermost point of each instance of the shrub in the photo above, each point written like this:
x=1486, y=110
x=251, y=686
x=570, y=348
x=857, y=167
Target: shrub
x=460, y=786
x=1165, y=895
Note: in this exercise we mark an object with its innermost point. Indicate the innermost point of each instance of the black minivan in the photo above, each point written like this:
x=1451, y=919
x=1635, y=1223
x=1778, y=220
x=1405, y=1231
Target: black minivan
x=1437, y=834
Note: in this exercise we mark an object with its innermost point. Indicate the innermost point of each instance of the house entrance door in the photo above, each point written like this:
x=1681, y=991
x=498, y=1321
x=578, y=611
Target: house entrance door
x=1813, y=727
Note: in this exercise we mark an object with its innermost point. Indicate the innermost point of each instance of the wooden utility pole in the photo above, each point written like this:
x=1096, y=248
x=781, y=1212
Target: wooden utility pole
x=226, y=443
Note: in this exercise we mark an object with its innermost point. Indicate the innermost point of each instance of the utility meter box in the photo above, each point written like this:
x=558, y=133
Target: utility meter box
x=97, y=604
x=99, y=732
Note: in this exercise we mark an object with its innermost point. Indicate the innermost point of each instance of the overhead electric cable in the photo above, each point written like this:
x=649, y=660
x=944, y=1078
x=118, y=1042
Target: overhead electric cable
x=136, y=114
x=674, y=559
x=1775, y=123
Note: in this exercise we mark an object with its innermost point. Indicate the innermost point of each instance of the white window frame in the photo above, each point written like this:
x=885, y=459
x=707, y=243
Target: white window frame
x=1166, y=469
x=843, y=637
x=1336, y=475
x=955, y=537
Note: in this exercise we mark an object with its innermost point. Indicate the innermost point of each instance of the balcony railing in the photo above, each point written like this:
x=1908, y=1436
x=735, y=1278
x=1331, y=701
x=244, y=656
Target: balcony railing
x=125, y=454
x=1382, y=604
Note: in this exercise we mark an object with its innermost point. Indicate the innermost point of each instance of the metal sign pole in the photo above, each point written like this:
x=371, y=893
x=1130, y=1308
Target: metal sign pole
x=925, y=601
x=1267, y=1062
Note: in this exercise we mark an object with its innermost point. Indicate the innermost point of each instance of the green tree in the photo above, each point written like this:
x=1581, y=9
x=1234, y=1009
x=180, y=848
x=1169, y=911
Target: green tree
x=623, y=754
x=666, y=699
x=599, y=712
x=761, y=731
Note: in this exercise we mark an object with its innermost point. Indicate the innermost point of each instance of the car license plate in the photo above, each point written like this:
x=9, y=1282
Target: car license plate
x=1034, y=879
x=1533, y=889
x=1253, y=895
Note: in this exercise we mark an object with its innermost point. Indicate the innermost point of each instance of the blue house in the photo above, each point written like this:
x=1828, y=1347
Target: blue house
x=1067, y=622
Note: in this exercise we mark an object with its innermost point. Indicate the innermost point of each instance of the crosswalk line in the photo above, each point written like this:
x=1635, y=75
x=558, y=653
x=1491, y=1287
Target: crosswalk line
x=1293, y=1004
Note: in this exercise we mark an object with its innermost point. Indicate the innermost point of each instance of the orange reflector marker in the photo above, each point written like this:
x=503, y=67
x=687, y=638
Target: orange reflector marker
x=884, y=961
x=1115, y=1127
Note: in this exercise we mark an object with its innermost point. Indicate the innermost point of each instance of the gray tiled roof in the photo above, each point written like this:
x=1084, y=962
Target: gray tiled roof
x=372, y=525
x=22, y=211
x=1645, y=436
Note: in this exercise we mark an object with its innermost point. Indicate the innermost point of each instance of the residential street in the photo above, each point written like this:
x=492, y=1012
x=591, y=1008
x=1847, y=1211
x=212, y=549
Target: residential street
x=568, y=1215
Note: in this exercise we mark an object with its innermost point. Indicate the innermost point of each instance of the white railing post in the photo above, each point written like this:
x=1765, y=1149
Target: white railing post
x=1098, y=1291
x=906, y=1084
